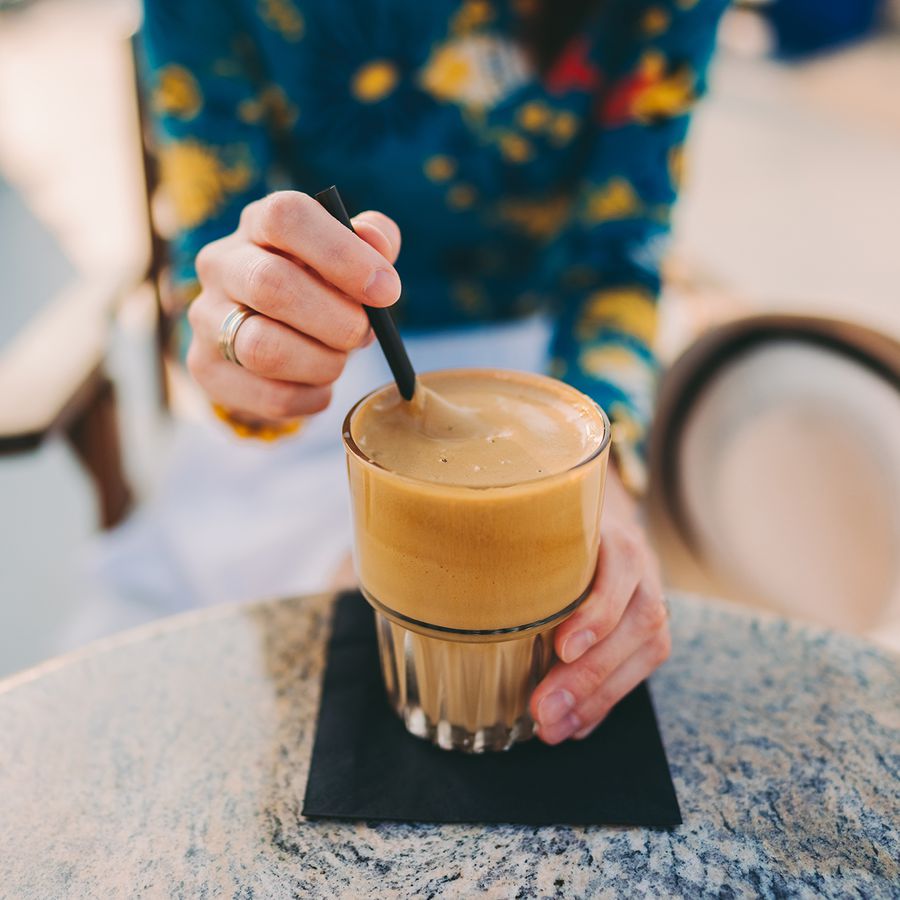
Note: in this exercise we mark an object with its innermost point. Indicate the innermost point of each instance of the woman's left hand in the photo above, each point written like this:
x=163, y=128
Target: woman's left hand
x=615, y=639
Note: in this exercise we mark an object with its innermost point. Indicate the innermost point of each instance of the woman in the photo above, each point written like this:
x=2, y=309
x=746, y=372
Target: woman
x=529, y=154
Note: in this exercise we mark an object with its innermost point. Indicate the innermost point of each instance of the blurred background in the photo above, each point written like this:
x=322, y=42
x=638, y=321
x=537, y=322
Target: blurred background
x=776, y=475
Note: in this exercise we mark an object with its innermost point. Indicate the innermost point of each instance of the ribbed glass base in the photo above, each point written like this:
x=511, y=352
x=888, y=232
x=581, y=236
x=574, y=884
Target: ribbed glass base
x=463, y=695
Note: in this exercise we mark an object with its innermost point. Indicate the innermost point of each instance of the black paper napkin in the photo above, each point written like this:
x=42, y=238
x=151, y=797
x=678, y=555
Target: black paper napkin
x=366, y=766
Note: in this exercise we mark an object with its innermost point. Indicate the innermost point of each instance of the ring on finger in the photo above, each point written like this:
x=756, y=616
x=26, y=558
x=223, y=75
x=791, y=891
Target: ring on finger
x=228, y=332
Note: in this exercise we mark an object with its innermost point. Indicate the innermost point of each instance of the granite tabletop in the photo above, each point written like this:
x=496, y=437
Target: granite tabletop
x=172, y=761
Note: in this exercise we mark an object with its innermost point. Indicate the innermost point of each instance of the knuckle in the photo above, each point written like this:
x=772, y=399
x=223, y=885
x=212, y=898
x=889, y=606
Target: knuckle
x=661, y=646
x=279, y=401
x=603, y=616
x=328, y=368
x=590, y=679
x=607, y=619
x=195, y=311
x=631, y=549
x=387, y=225
x=256, y=351
x=318, y=399
x=279, y=210
x=351, y=331
x=205, y=262
x=264, y=277
x=247, y=214
x=195, y=361
x=276, y=360
x=651, y=612
x=602, y=701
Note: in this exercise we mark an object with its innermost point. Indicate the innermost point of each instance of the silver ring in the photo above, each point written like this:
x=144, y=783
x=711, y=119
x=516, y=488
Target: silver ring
x=228, y=331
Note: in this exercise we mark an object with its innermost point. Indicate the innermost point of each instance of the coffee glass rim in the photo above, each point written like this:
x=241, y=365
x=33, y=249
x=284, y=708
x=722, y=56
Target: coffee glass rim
x=469, y=489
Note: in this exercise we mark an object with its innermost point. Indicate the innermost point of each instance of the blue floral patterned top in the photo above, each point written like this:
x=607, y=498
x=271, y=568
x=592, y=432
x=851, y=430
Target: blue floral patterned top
x=514, y=192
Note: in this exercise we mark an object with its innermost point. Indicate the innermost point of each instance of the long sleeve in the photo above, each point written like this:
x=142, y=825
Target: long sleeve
x=609, y=256
x=213, y=112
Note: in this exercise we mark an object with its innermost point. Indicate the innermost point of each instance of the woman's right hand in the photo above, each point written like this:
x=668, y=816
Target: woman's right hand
x=308, y=276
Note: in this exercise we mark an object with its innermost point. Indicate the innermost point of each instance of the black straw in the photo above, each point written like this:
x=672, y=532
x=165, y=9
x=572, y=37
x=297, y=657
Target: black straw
x=380, y=319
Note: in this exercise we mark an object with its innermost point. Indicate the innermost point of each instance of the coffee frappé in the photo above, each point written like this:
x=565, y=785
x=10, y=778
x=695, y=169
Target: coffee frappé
x=476, y=512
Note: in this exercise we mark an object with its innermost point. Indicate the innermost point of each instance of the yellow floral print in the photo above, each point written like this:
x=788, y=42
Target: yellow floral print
x=652, y=65
x=461, y=196
x=630, y=310
x=614, y=200
x=374, y=81
x=540, y=219
x=473, y=14
x=666, y=94
x=654, y=21
x=198, y=182
x=177, y=93
x=514, y=148
x=282, y=113
x=284, y=17
x=621, y=366
x=475, y=71
x=563, y=128
x=439, y=168
x=272, y=106
x=448, y=73
x=535, y=116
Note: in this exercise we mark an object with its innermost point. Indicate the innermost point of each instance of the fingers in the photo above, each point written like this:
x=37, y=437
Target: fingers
x=571, y=689
x=640, y=665
x=644, y=616
x=281, y=289
x=586, y=717
x=273, y=350
x=268, y=348
x=295, y=223
x=242, y=391
x=380, y=232
x=620, y=564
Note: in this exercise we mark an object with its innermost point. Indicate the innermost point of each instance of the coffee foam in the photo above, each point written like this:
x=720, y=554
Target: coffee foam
x=463, y=428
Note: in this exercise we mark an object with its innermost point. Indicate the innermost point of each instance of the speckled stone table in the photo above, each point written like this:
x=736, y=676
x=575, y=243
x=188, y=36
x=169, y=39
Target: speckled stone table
x=171, y=762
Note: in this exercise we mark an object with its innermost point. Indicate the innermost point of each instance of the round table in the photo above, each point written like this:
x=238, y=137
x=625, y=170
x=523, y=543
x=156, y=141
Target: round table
x=171, y=762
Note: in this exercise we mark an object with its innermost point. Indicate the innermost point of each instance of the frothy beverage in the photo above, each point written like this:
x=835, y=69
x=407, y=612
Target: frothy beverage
x=476, y=516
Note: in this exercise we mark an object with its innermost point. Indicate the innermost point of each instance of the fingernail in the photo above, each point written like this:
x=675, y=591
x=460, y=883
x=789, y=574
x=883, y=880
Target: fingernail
x=553, y=734
x=383, y=287
x=554, y=706
x=578, y=644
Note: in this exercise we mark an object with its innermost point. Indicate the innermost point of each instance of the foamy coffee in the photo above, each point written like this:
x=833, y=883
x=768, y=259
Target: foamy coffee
x=483, y=518
x=477, y=524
